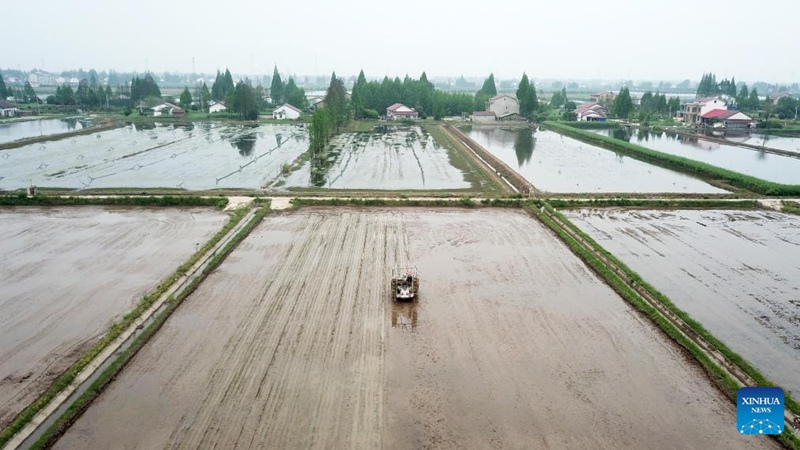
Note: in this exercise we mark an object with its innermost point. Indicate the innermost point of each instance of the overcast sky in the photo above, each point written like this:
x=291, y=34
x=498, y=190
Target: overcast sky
x=609, y=39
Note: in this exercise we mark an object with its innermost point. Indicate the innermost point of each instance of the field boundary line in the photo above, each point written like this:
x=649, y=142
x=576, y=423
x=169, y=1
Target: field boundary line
x=89, y=370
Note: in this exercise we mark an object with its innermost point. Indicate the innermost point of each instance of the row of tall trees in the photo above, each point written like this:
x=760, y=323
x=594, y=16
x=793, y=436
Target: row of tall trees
x=709, y=86
x=142, y=88
x=4, y=91
x=526, y=96
x=289, y=92
x=222, y=86
x=327, y=121
x=85, y=96
x=371, y=98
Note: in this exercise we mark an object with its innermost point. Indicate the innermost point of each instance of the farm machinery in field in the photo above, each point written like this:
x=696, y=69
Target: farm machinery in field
x=405, y=283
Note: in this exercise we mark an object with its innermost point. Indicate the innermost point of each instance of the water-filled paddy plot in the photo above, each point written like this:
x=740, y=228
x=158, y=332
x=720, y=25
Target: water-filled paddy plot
x=556, y=163
x=759, y=164
x=14, y=131
x=389, y=157
x=68, y=272
x=194, y=156
x=736, y=272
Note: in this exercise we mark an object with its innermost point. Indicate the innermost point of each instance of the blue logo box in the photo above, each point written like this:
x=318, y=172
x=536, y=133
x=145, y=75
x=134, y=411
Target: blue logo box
x=759, y=410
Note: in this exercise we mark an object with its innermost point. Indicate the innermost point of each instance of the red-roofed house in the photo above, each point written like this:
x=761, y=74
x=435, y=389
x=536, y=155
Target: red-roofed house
x=401, y=111
x=168, y=109
x=731, y=120
x=591, y=112
x=286, y=111
x=692, y=111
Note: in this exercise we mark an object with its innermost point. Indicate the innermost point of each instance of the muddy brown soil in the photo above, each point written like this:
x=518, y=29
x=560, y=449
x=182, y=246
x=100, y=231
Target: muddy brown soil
x=69, y=272
x=294, y=342
x=736, y=272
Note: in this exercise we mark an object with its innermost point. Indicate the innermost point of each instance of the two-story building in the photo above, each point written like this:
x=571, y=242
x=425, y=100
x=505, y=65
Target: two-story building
x=503, y=106
x=399, y=111
x=692, y=112
x=591, y=112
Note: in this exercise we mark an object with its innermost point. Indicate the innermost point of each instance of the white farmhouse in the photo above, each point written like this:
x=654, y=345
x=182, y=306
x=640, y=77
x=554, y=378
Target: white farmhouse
x=286, y=111
x=503, y=106
x=8, y=109
x=216, y=107
x=483, y=116
x=401, y=111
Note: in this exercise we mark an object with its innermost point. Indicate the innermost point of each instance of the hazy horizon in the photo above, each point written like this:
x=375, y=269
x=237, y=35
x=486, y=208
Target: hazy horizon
x=582, y=40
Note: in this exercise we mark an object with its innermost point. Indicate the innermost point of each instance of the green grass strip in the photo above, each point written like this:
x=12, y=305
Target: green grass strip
x=720, y=377
x=84, y=401
x=466, y=202
x=736, y=179
x=114, y=331
x=790, y=207
x=168, y=200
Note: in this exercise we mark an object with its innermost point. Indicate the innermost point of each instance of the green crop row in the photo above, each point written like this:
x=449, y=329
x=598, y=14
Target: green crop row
x=736, y=179
x=114, y=331
x=74, y=411
x=168, y=200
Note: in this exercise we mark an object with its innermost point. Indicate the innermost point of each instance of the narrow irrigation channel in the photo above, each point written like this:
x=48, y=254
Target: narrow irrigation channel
x=686, y=333
x=46, y=424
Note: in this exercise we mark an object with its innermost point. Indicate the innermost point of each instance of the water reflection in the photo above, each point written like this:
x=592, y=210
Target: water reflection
x=246, y=143
x=405, y=316
x=524, y=142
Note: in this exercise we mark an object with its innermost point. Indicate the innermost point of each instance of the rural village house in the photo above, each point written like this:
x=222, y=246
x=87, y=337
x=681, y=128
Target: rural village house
x=604, y=98
x=503, y=106
x=483, y=116
x=730, y=120
x=216, y=107
x=401, y=111
x=691, y=112
x=591, y=112
x=8, y=109
x=168, y=109
x=286, y=111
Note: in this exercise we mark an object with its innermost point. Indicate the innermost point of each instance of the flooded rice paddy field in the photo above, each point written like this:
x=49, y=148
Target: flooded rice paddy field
x=389, y=158
x=767, y=166
x=14, y=131
x=556, y=163
x=294, y=342
x=790, y=144
x=736, y=272
x=194, y=156
x=69, y=272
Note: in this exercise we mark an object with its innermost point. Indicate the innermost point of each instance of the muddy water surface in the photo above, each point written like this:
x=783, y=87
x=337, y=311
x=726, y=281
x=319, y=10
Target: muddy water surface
x=736, y=272
x=770, y=167
x=294, y=342
x=193, y=156
x=68, y=272
x=556, y=163
x=43, y=127
x=390, y=158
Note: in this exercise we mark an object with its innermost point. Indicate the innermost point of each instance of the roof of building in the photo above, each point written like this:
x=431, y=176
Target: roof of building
x=499, y=96
x=707, y=99
x=483, y=113
x=395, y=106
x=723, y=114
x=286, y=105
x=588, y=106
x=6, y=105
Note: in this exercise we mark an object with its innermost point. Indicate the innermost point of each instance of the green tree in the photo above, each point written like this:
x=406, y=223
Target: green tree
x=623, y=105
x=787, y=107
x=295, y=96
x=3, y=90
x=743, y=98
x=185, y=101
x=216, y=88
x=28, y=94
x=673, y=106
x=753, y=102
x=336, y=102
x=245, y=102
x=359, y=95
x=276, y=89
x=526, y=96
x=488, y=89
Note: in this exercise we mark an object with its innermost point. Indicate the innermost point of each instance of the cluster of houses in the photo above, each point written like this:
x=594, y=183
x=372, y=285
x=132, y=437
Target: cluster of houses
x=8, y=109
x=712, y=112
